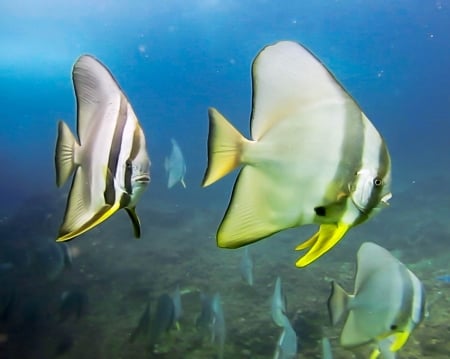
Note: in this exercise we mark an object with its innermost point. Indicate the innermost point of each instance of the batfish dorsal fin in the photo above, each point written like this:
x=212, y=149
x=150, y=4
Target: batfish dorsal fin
x=287, y=79
x=96, y=90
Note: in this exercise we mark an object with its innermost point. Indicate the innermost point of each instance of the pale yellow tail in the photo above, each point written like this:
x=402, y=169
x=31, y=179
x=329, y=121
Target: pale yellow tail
x=224, y=148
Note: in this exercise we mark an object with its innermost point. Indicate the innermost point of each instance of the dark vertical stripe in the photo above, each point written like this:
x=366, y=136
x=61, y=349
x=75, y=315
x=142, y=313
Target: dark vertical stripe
x=116, y=144
x=127, y=179
x=384, y=164
x=406, y=301
x=351, y=150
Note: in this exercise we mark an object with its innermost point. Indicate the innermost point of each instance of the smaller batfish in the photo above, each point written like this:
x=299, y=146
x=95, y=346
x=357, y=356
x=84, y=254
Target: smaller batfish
x=109, y=160
x=388, y=301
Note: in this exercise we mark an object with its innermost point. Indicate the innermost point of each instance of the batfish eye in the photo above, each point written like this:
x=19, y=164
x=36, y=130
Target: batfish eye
x=377, y=181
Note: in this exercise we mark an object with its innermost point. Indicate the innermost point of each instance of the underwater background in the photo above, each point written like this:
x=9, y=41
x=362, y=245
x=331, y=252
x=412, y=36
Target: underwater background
x=174, y=59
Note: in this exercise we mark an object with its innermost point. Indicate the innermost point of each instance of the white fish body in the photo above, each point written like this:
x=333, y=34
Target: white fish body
x=175, y=166
x=109, y=160
x=314, y=157
x=389, y=301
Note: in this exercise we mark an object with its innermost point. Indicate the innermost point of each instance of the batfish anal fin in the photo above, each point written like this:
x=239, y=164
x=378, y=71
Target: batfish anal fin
x=321, y=242
x=103, y=214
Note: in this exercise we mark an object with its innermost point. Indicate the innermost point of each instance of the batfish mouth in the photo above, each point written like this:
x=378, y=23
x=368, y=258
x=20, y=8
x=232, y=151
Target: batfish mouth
x=142, y=178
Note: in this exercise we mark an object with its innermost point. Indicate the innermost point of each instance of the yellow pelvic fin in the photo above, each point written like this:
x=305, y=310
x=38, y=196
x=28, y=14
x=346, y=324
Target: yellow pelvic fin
x=400, y=340
x=101, y=216
x=321, y=242
x=224, y=148
x=375, y=354
x=134, y=220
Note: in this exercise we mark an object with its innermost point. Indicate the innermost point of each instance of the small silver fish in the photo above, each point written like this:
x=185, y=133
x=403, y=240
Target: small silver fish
x=246, y=267
x=218, y=326
x=313, y=156
x=287, y=343
x=389, y=301
x=326, y=349
x=109, y=160
x=175, y=166
x=278, y=306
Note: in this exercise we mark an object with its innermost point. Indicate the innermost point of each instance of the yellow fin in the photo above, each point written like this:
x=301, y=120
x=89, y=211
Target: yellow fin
x=375, y=354
x=101, y=216
x=224, y=148
x=400, y=340
x=321, y=242
x=66, y=146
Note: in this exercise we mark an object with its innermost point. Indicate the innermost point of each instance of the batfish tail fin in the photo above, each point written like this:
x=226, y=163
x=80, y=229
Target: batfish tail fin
x=224, y=148
x=64, y=153
x=337, y=303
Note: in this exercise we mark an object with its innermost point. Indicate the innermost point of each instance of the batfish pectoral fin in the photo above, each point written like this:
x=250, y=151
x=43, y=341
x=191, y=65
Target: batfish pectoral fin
x=103, y=214
x=321, y=242
x=400, y=340
x=135, y=221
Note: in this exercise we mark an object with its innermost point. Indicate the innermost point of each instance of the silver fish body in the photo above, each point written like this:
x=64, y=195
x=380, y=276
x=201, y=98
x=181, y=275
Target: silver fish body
x=313, y=156
x=175, y=166
x=109, y=159
x=388, y=302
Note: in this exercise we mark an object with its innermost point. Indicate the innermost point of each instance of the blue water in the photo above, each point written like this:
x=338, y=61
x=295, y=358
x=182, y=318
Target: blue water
x=174, y=59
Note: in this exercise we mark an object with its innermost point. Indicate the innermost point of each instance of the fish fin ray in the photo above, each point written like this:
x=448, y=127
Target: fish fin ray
x=327, y=237
x=66, y=145
x=96, y=90
x=337, y=303
x=224, y=148
x=251, y=216
x=286, y=79
x=80, y=216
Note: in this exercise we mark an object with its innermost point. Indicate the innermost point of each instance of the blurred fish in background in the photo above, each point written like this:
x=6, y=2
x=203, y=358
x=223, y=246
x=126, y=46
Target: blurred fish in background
x=175, y=166
x=73, y=304
x=162, y=320
x=246, y=266
x=178, y=306
x=218, y=327
x=326, y=349
x=143, y=325
x=278, y=304
x=286, y=347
